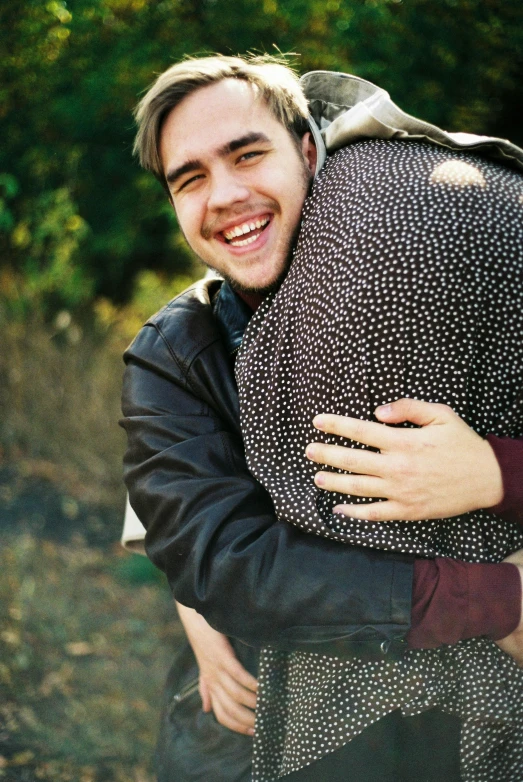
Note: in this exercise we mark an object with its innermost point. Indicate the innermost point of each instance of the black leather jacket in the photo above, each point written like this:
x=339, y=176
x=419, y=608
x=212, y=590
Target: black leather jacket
x=211, y=527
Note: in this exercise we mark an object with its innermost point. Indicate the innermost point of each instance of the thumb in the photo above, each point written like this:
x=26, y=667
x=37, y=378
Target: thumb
x=413, y=410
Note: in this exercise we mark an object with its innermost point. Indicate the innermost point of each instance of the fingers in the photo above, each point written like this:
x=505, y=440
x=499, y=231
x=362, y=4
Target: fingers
x=375, y=434
x=233, y=705
x=367, y=432
x=239, y=694
x=241, y=675
x=376, y=511
x=351, y=459
x=205, y=695
x=357, y=485
x=233, y=716
x=413, y=410
x=223, y=685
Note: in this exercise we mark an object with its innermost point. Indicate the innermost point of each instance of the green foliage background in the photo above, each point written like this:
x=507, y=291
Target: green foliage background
x=78, y=219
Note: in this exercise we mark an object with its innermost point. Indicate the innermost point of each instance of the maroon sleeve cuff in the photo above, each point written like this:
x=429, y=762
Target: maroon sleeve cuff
x=509, y=453
x=453, y=601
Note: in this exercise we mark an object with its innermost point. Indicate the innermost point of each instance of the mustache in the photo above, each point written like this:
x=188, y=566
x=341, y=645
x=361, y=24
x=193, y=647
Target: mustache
x=210, y=228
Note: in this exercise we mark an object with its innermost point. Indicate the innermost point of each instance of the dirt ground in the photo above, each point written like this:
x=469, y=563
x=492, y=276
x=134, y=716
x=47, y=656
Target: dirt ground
x=87, y=633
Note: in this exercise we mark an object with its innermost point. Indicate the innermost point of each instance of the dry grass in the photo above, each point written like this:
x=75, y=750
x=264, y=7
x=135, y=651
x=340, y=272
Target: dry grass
x=60, y=392
x=60, y=386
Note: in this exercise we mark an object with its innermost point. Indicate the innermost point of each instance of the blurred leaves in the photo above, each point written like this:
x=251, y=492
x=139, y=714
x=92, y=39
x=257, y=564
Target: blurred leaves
x=72, y=72
x=48, y=237
x=152, y=290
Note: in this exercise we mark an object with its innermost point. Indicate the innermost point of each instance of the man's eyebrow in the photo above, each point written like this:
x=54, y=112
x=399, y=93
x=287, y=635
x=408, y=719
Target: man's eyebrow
x=185, y=168
x=226, y=149
x=243, y=141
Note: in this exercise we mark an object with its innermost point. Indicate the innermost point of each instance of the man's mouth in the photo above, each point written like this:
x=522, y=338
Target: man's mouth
x=246, y=233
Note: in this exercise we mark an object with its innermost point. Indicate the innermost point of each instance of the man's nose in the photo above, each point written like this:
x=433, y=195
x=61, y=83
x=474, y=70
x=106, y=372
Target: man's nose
x=226, y=189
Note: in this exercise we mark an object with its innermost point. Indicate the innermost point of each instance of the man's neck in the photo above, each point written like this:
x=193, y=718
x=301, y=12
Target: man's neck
x=252, y=300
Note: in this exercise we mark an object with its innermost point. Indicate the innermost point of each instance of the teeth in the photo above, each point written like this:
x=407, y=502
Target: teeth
x=243, y=242
x=240, y=230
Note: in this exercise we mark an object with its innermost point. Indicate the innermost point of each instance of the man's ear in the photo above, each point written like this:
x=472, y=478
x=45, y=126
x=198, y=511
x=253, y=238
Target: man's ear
x=310, y=153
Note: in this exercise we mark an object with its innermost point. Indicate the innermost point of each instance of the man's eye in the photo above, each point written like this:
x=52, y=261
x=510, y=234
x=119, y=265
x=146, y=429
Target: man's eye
x=250, y=155
x=189, y=182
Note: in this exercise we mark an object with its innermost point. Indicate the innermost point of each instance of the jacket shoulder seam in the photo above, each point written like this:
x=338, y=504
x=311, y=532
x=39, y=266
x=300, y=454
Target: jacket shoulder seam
x=185, y=365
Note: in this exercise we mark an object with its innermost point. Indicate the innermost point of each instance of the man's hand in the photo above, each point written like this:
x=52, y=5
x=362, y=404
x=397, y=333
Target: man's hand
x=226, y=687
x=513, y=643
x=440, y=470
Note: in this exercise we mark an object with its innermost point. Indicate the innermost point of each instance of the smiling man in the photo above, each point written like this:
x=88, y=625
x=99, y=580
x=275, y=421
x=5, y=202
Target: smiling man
x=231, y=143
x=238, y=179
x=238, y=192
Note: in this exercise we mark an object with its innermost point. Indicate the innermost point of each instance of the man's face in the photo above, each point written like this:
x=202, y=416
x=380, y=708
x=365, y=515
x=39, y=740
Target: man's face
x=238, y=182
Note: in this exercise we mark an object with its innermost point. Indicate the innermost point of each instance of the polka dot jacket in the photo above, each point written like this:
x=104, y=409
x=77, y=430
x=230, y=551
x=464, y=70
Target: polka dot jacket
x=407, y=281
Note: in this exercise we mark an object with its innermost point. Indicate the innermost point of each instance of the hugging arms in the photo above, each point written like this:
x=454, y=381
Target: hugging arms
x=211, y=526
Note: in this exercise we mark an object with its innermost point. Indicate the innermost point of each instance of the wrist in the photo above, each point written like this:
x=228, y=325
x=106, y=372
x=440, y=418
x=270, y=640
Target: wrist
x=491, y=488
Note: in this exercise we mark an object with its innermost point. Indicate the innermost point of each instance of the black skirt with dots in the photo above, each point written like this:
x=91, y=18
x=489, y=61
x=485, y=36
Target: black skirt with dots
x=407, y=281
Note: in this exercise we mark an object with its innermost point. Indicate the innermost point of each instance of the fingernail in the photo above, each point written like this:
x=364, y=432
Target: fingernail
x=251, y=731
x=309, y=451
x=384, y=409
x=319, y=479
x=318, y=422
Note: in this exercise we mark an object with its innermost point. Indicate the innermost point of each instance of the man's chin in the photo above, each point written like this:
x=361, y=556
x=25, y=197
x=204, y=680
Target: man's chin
x=242, y=286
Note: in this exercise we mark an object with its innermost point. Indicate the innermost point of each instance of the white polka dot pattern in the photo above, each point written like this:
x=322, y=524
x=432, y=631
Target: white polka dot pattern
x=407, y=282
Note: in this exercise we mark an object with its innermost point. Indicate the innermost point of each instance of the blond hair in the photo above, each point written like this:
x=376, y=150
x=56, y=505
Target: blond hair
x=275, y=82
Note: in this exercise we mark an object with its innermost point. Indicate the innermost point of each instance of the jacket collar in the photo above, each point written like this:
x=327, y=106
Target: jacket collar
x=233, y=315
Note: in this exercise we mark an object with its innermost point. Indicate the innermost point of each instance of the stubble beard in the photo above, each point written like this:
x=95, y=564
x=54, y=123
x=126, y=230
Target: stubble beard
x=265, y=290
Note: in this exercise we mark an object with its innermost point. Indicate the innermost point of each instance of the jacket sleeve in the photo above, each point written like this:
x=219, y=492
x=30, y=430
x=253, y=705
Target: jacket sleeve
x=211, y=527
